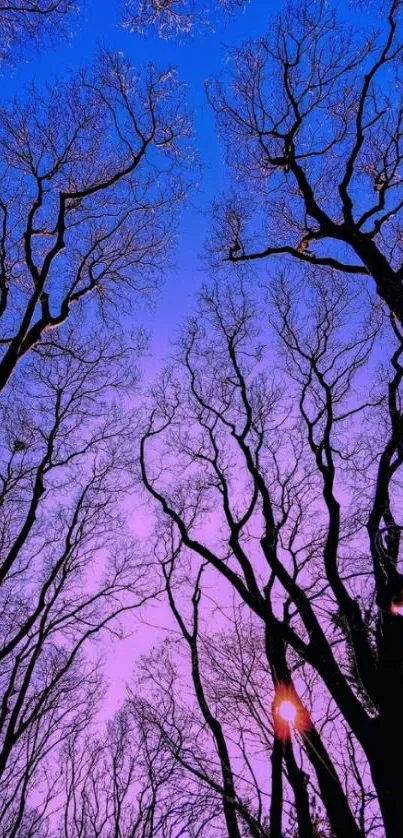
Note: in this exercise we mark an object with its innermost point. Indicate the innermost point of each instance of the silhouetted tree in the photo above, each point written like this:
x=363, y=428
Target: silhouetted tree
x=283, y=491
x=312, y=120
x=128, y=782
x=89, y=183
x=68, y=568
x=223, y=737
x=235, y=810
x=171, y=18
x=31, y=21
x=90, y=172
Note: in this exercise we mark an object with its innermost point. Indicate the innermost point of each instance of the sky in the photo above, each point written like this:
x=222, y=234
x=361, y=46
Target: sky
x=98, y=25
x=197, y=59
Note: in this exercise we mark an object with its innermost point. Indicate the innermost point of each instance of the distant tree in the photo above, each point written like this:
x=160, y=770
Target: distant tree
x=283, y=485
x=90, y=181
x=32, y=21
x=236, y=811
x=312, y=120
x=68, y=568
x=127, y=783
x=174, y=17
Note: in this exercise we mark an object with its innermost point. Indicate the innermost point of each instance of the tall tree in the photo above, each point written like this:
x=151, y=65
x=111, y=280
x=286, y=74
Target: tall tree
x=128, y=783
x=297, y=485
x=223, y=737
x=82, y=209
x=68, y=569
x=312, y=120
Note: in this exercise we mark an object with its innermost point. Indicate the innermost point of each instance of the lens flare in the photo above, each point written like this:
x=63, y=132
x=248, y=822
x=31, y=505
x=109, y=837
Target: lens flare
x=289, y=714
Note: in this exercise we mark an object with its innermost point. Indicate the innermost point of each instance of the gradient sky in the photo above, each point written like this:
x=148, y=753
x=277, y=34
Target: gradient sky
x=98, y=24
x=197, y=59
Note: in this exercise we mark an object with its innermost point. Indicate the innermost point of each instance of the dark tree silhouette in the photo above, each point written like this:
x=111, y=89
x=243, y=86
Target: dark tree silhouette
x=224, y=739
x=68, y=569
x=171, y=18
x=312, y=118
x=90, y=176
x=297, y=484
x=115, y=784
x=82, y=211
x=234, y=808
x=128, y=782
x=32, y=21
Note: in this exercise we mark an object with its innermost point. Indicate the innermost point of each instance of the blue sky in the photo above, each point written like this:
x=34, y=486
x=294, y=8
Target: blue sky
x=197, y=59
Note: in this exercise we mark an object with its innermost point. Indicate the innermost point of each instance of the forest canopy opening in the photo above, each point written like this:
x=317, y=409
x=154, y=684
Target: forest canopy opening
x=201, y=426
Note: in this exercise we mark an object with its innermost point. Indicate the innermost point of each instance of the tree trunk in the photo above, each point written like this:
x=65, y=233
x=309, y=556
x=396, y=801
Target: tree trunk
x=388, y=282
x=298, y=781
x=387, y=775
x=386, y=759
x=276, y=801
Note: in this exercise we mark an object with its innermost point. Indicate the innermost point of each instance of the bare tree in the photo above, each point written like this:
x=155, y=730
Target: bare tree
x=292, y=481
x=114, y=784
x=90, y=180
x=89, y=185
x=236, y=811
x=224, y=738
x=128, y=783
x=184, y=739
x=174, y=17
x=68, y=569
x=312, y=118
x=32, y=20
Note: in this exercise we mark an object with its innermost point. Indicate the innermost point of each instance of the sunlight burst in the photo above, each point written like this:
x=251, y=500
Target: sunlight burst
x=288, y=711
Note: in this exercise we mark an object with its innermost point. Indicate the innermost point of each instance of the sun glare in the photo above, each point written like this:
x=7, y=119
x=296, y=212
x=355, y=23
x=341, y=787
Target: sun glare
x=288, y=712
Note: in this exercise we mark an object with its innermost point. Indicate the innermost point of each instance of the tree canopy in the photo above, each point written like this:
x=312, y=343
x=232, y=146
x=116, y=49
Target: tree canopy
x=223, y=523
